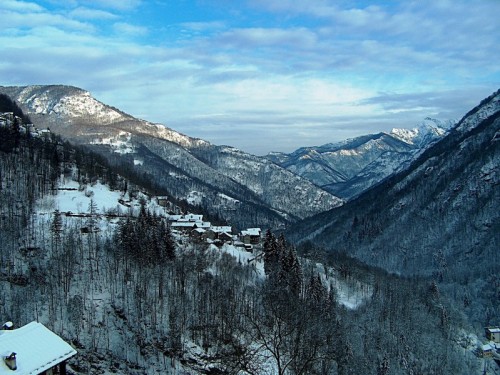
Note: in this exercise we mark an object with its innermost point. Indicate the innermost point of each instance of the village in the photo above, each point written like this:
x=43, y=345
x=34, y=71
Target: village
x=204, y=232
x=7, y=119
x=491, y=349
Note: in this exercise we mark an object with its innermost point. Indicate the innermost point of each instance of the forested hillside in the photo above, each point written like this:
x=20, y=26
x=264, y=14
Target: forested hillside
x=438, y=219
x=243, y=189
x=133, y=297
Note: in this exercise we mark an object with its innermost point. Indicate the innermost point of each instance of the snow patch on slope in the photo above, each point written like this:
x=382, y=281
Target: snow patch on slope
x=78, y=103
x=484, y=112
x=120, y=144
x=429, y=129
x=176, y=137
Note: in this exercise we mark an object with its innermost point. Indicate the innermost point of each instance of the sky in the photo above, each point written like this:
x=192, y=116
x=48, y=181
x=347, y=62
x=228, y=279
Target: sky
x=261, y=75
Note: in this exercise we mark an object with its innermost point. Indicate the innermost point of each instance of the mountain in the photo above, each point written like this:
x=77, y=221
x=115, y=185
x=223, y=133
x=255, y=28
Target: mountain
x=90, y=255
x=439, y=218
x=241, y=188
x=348, y=168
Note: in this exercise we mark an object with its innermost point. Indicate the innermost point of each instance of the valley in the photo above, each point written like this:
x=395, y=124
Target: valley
x=395, y=277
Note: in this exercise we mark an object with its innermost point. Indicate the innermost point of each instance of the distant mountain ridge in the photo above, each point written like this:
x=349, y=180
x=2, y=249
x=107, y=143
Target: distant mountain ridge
x=348, y=168
x=439, y=217
x=241, y=188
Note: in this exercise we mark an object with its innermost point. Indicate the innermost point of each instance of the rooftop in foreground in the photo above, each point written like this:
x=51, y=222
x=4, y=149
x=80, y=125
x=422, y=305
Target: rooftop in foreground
x=36, y=349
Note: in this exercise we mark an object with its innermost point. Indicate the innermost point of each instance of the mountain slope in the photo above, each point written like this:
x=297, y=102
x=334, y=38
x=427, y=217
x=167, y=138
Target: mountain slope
x=438, y=218
x=239, y=187
x=348, y=168
x=135, y=298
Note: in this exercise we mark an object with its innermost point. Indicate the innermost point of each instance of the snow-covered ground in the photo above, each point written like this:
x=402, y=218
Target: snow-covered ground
x=350, y=293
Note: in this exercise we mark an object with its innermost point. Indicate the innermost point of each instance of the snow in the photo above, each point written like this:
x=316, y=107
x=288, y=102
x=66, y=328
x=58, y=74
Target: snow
x=222, y=229
x=351, y=294
x=120, y=144
x=405, y=135
x=84, y=104
x=176, y=137
x=75, y=103
x=429, y=127
x=37, y=349
x=347, y=152
x=79, y=201
x=227, y=197
x=244, y=257
x=75, y=198
x=251, y=232
x=484, y=112
x=195, y=197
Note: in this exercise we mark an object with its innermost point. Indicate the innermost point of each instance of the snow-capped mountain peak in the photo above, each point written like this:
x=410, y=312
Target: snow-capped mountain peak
x=349, y=167
x=67, y=101
x=427, y=130
x=179, y=163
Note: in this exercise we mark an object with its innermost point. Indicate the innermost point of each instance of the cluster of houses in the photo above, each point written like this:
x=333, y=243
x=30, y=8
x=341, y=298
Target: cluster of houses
x=492, y=348
x=204, y=231
x=8, y=118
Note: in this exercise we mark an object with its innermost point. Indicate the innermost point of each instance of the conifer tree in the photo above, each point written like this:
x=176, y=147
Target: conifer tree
x=271, y=257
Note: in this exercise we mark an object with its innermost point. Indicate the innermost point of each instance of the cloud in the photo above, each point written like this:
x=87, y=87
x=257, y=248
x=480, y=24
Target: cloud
x=204, y=26
x=129, y=29
x=441, y=103
x=296, y=74
x=42, y=20
x=91, y=14
x=122, y=5
x=20, y=6
x=259, y=37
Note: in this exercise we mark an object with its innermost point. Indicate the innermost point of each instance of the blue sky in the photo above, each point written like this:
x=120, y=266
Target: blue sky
x=261, y=75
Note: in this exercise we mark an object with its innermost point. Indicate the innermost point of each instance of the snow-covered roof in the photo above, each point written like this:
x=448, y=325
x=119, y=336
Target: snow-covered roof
x=174, y=217
x=223, y=229
x=37, y=349
x=193, y=217
x=183, y=224
x=493, y=330
x=251, y=232
x=486, y=347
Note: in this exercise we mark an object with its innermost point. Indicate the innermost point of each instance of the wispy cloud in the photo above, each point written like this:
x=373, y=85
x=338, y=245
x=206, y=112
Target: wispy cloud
x=129, y=29
x=113, y=4
x=21, y=6
x=92, y=14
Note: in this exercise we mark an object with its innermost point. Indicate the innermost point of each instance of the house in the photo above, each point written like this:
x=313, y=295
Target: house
x=162, y=201
x=32, y=350
x=209, y=235
x=193, y=217
x=197, y=234
x=183, y=225
x=223, y=233
x=222, y=229
x=187, y=225
x=493, y=334
x=251, y=236
x=486, y=351
x=225, y=237
x=174, y=217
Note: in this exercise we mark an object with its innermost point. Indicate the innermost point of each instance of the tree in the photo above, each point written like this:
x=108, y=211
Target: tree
x=56, y=229
x=271, y=253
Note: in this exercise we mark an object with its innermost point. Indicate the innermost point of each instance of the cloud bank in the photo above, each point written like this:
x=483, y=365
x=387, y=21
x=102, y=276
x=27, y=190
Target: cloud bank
x=264, y=75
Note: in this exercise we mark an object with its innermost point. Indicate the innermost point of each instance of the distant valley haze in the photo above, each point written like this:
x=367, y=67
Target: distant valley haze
x=258, y=75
